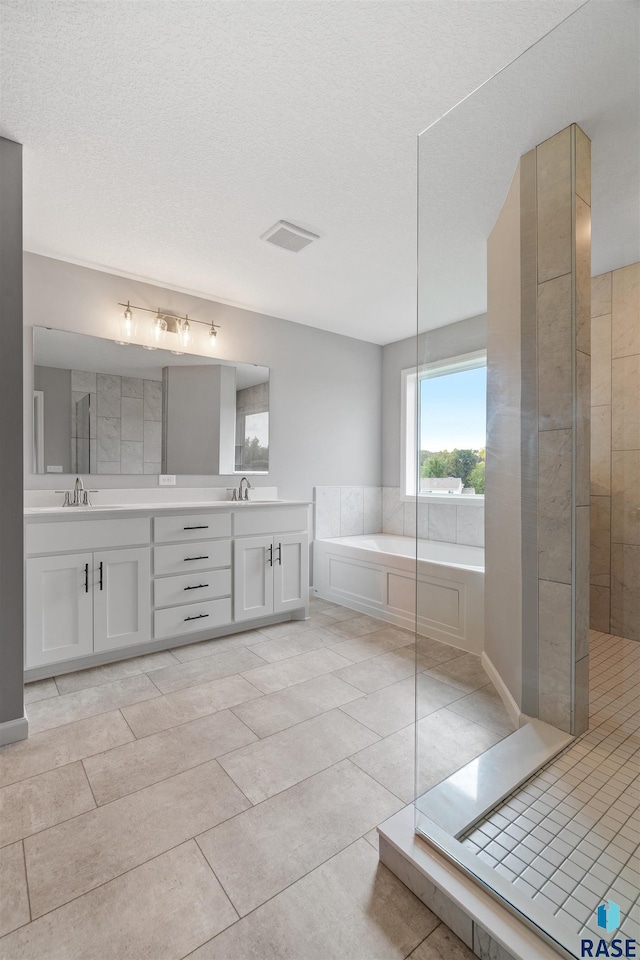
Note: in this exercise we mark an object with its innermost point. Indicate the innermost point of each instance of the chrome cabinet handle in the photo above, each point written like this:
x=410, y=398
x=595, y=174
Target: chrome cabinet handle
x=86, y=578
x=271, y=555
x=280, y=554
x=186, y=559
x=101, y=574
x=198, y=587
x=201, y=526
x=199, y=617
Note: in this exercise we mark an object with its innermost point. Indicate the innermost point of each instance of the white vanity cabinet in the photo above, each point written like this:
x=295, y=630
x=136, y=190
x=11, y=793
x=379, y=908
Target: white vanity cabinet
x=59, y=614
x=270, y=572
x=102, y=584
x=83, y=603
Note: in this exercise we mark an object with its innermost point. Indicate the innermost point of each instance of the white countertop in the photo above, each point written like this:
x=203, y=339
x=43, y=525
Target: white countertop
x=70, y=512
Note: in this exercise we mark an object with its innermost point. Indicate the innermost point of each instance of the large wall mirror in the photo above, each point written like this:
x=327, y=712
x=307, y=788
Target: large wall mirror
x=100, y=407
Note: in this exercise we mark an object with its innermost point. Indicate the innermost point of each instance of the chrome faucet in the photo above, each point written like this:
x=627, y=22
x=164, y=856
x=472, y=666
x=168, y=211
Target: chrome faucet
x=245, y=495
x=78, y=497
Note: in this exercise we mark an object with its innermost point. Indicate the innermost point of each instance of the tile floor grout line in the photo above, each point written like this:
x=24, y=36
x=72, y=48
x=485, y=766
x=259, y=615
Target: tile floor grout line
x=26, y=883
x=128, y=728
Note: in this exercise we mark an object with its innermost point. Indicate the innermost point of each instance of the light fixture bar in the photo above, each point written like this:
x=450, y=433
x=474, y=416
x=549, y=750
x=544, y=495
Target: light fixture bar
x=170, y=316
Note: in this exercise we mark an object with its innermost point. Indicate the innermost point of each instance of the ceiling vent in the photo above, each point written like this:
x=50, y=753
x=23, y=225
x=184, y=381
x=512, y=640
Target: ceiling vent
x=288, y=236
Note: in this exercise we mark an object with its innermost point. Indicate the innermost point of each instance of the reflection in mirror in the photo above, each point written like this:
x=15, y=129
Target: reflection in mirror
x=99, y=407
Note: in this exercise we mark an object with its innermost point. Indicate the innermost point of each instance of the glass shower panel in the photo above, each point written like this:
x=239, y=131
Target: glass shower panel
x=497, y=427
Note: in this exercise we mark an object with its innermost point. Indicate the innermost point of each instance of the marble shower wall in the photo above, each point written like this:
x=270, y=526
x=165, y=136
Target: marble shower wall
x=349, y=511
x=615, y=452
x=125, y=424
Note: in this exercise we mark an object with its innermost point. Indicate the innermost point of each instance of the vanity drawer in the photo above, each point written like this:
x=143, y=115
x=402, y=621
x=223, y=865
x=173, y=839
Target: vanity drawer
x=191, y=618
x=194, y=587
x=201, y=526
x=64, y=536
x=187, y=557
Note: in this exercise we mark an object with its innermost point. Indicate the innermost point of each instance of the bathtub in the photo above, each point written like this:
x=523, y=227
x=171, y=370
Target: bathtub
x=376, y=574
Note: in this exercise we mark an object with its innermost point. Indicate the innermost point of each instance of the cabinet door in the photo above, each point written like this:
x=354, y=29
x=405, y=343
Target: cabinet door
x=252, y=577
x=59, y=621
x=122, y=598
x=290, y=571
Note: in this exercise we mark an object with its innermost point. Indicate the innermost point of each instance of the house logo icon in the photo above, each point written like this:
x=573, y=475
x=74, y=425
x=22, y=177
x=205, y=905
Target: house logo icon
x=608, y=916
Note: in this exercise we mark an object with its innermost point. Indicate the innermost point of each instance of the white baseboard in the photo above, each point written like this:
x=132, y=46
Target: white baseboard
x=13, y=730
x=512, y=708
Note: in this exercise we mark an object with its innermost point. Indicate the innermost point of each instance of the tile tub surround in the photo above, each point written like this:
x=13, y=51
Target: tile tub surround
x=166, y=833
x=615, y=452
x=350, y=511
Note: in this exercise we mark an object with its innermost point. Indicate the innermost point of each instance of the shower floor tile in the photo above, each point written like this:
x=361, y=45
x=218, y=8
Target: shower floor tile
x=576, y=822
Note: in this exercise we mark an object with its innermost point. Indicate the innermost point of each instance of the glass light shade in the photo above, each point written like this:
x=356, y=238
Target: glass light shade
x=159, y=329
x=213, y=338
x=185, y=332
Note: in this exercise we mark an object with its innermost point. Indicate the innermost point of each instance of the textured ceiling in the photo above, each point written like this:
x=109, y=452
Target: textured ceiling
x=163, y=138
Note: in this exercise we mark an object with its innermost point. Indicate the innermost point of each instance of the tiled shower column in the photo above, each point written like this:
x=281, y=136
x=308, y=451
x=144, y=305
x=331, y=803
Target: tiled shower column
x=556, y=299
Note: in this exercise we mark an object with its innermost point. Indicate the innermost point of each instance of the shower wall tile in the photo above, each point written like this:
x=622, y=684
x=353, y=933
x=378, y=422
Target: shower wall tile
x=108, y=466
x=625, y=595
x=372, y=502
x=83, y=381
x=392, y=511
x=582, y=583
x=582, y=428
x=554, y=653
x=625, y=403
x=132, y=419
x=600, y=296
x=351, y=511
x=554, y=206
x=442, y=522
x=554, y=505
x=625, y=310
x=601, y=451
x=108, y=436
x=625, y=497
x=109, y=395
x=131, y=456
x=600, y=608
x=152, y=400
x=600, y=541
x=582, y=274
x=470, y=525
x=326, y=512
x=601, y=360
x=133, y=387
x=555, y=382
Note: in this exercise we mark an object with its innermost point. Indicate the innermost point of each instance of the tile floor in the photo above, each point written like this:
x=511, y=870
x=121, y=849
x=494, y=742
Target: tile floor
x=220, y=800
x=568, y=838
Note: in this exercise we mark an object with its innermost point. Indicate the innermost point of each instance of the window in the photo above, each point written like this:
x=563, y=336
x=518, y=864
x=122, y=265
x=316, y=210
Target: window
x=445, y=411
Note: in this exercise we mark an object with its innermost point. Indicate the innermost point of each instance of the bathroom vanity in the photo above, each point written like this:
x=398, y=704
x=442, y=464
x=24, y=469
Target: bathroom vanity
x=105, y=583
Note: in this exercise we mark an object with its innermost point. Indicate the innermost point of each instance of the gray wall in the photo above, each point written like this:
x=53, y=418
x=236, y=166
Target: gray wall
x=324, y=391
x=56, y=386
x=11, y=546
x=450, y=341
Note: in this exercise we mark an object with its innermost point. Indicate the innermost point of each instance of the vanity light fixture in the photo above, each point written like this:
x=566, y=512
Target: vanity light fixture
x=161, y=324
x=127, y=326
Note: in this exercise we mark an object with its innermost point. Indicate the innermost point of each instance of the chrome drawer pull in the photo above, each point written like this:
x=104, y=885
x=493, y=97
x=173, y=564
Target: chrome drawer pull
x=199, y=617
x=198, y=587
x=202, y=526
x=186, y=559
